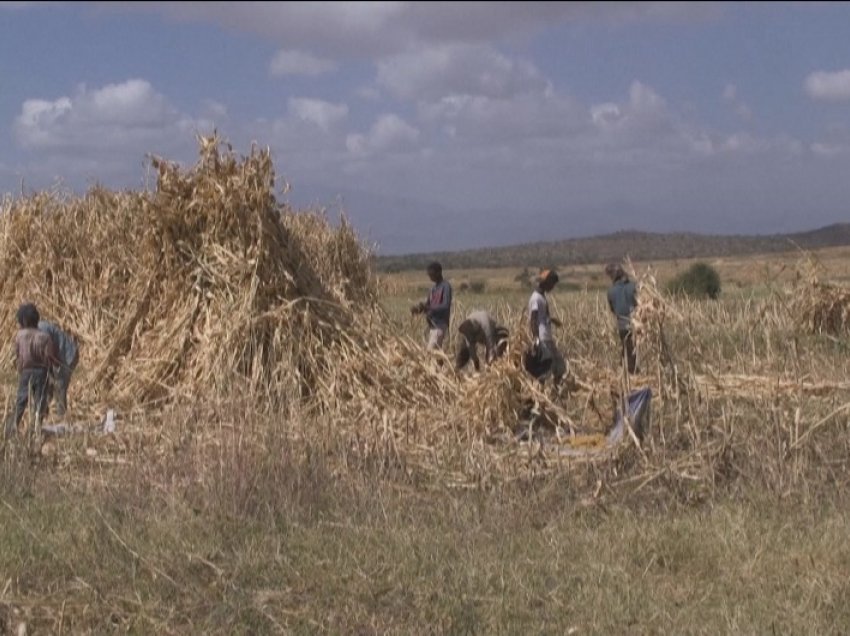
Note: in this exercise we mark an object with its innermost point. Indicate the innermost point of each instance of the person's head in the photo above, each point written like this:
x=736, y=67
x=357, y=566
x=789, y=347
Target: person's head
x=27, y=316
x=547, y=279
x=615, y=271
x=435, y=271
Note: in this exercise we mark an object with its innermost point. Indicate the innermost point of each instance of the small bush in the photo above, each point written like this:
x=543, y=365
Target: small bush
x=477, y=286
x=700, y=280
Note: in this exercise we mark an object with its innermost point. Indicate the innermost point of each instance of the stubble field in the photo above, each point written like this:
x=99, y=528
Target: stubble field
x=339, y=479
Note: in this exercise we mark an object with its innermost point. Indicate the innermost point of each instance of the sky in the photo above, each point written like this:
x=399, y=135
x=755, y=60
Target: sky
x=445, y=125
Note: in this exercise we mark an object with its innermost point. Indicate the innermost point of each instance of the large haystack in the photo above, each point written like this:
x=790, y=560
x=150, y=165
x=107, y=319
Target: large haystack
x=201, y=287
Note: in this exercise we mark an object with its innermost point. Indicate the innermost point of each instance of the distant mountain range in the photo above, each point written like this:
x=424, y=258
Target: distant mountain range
x=640, y=246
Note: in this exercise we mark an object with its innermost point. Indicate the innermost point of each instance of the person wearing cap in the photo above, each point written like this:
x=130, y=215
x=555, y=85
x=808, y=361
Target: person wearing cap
x=622, y=300
x=480, y=328
x=437, y=307
x=540, y=324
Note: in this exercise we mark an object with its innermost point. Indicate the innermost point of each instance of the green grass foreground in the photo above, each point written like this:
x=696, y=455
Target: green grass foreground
x=305, y=553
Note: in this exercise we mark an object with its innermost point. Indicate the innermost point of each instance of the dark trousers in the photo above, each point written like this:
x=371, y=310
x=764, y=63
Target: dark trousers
x=31, y=383
x=62, y=378
x=627, y=349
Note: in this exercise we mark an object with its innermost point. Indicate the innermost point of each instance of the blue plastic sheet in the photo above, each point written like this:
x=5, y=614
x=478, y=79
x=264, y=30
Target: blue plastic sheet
x=637, y=407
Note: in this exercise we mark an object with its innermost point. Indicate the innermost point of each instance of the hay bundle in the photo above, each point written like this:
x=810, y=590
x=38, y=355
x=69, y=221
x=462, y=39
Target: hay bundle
x=380, y=374
x=649, y=319
x=817, y=306
x=203, y=286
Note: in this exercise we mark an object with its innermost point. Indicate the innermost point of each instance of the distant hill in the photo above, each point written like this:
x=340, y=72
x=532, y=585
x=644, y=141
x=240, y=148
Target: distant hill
x=614, y=247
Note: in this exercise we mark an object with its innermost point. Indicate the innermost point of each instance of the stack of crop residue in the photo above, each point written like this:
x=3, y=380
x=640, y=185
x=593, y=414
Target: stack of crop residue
x=203, y=286
x=817, y=306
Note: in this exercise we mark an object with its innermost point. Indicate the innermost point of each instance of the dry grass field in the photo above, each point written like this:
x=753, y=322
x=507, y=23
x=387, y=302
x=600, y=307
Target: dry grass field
x=289, y=459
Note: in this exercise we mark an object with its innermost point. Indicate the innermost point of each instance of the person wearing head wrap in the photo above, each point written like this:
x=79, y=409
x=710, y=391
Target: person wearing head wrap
x=622, y=300
x=548, y=357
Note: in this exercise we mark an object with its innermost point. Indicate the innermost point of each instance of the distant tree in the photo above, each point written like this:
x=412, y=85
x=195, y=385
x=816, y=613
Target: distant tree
x=700, y=280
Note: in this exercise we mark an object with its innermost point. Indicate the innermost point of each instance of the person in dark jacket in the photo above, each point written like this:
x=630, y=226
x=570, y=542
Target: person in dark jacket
x=622, y=300
x=69, y=356
x=35, y=355
x=437, y=307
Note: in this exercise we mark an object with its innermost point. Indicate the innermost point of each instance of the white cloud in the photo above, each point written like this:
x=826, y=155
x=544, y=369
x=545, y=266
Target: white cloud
x=213, y=109
x=299, y=63
x=606, y=115
x=388, y=134
x=828, y=85
x=489, y=121
x=828, y=149
x=743, y=143
x=644, y=100
x=730, y=96
x=643, y=116
x=130, y=103
x=836, y=142
x=436, y=72
x=544, y=128
x=323, y=114
x=102, y=134
x=103, y=117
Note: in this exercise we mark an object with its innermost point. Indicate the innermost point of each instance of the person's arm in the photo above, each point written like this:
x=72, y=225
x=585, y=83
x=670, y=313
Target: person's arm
x=16, y=350
x=611, y=300
x=419, y=307
x=533, y=324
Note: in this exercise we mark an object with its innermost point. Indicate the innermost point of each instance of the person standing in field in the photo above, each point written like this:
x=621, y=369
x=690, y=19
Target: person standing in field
x=437, y=307
x=540, y=325
x=622, y=300
x=480, y=328
x=69, y=355
x=35, y=355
